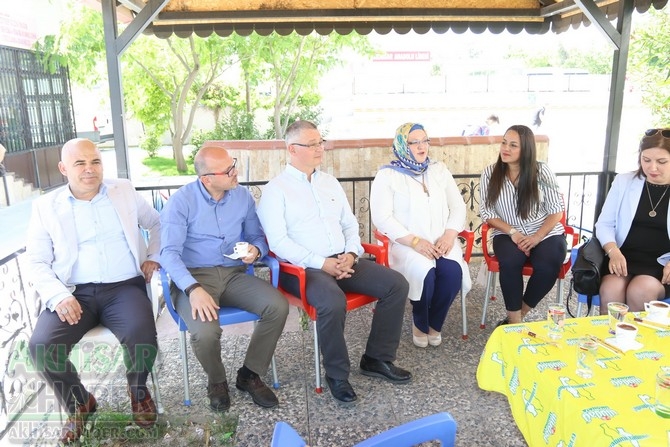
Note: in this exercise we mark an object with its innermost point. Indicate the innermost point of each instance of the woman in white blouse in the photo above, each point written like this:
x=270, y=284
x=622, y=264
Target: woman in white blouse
x=417, y=204
x=521, y=202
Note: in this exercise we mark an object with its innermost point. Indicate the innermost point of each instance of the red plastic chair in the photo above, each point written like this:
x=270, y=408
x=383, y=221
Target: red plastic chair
x=469, y=239
x=493, y=266
x=354, y=300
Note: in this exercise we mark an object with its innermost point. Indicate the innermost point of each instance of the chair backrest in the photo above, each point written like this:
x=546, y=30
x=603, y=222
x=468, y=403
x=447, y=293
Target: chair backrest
x=437, y=427
x=354, y=300
x=285, y=436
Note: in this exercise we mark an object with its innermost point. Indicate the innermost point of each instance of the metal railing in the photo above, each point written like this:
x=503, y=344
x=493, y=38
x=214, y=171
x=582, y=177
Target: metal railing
x=579, y=189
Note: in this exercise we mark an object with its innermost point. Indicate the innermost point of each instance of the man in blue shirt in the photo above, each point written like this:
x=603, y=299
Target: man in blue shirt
x=201, y=223
x=308, y=222
x=90, y=266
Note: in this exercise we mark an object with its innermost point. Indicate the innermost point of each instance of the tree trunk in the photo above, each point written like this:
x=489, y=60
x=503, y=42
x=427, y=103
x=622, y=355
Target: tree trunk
x=247, y=95
x=178, y=151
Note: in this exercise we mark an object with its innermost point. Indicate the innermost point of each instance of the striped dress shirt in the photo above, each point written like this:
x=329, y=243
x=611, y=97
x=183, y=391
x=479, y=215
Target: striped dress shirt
x=551, y=202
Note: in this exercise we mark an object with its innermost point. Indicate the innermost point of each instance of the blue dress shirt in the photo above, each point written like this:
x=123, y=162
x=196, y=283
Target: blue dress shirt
x=197, y=231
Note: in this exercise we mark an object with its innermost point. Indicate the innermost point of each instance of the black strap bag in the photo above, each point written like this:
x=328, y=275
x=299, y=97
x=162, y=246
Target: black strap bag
x=588, y=269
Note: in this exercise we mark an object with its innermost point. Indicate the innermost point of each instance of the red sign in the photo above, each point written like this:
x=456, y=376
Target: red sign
x=15, y=32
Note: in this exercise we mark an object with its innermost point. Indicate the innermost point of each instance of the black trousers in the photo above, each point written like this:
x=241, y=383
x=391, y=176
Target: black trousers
x=124, y=308
x=327, y=295
x=546, y=258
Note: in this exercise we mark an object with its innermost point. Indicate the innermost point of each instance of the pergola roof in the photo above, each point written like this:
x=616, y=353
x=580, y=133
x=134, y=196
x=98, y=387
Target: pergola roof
x=223, y=17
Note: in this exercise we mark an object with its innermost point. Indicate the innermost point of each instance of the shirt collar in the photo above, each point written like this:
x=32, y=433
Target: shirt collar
x=101, y=193
x=208, y=197
x=298, y=174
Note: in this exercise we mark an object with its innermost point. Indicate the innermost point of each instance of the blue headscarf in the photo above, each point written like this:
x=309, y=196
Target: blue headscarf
x=405, y=161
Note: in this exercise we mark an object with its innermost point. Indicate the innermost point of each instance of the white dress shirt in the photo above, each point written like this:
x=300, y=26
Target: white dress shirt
x=307, y=221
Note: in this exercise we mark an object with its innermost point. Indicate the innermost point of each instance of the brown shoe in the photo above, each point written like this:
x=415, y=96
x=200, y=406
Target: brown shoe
x=260, y=393
x=219, y=396
x=144, y=411
x=72, y=429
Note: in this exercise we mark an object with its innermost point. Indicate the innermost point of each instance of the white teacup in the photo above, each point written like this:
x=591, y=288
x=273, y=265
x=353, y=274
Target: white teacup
x=242, y=249
x=625, y=333
x=657, y=309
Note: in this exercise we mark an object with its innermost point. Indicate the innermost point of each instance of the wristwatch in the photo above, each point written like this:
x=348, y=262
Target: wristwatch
x=512, y=232
x=354, y=255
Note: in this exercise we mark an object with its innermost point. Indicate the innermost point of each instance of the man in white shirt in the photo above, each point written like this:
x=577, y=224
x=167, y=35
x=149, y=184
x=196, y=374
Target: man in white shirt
x=308, y=222
x=90, y=266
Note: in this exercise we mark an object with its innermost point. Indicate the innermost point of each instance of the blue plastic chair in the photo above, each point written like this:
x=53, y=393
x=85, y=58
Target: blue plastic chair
x=438, y=427
x=227, y=316
x=582, y=299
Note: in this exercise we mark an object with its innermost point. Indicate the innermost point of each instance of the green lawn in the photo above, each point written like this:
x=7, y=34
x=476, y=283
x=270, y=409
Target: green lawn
x=166, y=167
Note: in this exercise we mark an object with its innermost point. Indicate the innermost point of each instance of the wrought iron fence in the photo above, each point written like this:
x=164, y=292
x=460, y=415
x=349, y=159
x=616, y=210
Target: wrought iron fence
x=35, y=105
x=17, y=320
x=579, y=190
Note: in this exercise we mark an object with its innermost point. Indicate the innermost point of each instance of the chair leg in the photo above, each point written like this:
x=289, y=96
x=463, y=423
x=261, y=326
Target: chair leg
x=490, y=285
x=579, y=308
x=465, y=315
x=275, y=378
x=559, y=298
x=157, y=392
x=184, y=364
x=317, y=363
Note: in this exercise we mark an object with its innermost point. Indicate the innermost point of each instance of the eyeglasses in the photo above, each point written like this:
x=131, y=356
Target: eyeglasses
x=665, y=133
x=313, y=146
x=420, y=142
x=229, y=172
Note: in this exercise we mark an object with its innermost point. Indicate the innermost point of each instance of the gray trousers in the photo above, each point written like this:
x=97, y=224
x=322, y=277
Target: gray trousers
x=122, y=307
x=327, y=295
x=232, y=287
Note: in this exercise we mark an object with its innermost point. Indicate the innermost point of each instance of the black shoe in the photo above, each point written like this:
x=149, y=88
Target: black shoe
x=384, y=370
x=219, y=396
x=260, y=393
x=503, y=322
x=341, y=390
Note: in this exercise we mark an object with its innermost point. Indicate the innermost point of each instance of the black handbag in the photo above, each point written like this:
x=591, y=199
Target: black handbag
x=588, y=269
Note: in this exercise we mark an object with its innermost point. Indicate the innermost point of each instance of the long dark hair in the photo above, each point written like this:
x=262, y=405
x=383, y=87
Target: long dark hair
x=528, y=192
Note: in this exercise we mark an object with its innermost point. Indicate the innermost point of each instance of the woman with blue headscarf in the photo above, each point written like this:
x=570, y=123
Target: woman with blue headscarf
x=416, y=203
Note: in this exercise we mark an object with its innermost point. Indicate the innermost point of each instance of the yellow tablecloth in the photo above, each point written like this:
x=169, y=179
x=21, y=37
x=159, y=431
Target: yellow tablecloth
x=553, y=406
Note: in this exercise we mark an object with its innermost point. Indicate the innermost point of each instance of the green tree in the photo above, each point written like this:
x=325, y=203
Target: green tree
x=293, y=65
x=167, y=80
x=649, y=64
x=163, y=80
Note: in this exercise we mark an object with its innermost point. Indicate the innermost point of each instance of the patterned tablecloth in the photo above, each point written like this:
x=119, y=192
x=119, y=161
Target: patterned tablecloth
x=553, y=406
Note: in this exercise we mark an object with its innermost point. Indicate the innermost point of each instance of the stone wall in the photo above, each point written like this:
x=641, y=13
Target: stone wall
x=263, y=160
x=345, y=159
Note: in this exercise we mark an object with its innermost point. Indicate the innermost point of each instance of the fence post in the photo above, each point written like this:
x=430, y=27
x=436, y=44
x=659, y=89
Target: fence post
x=3, y=171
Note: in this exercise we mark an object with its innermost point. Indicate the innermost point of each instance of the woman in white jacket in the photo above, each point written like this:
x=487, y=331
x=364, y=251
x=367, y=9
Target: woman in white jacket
x=634, y=228
x=417, y=204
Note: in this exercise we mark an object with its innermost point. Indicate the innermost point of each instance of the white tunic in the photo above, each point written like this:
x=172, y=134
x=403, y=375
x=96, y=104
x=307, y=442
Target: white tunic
x=399, y=206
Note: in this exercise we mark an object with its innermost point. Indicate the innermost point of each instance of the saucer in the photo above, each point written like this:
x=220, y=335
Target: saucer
x=632, y=345
x=659, y=320
x=233, y=256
